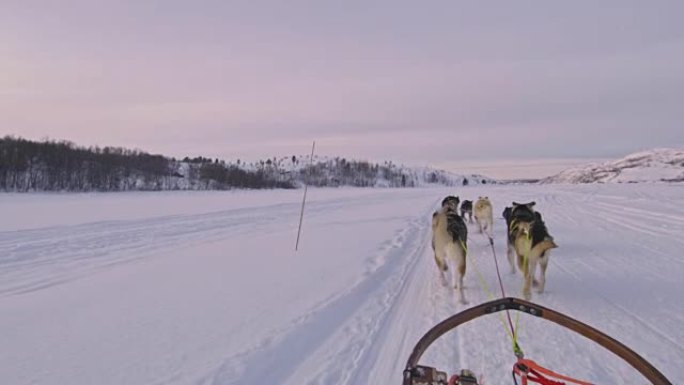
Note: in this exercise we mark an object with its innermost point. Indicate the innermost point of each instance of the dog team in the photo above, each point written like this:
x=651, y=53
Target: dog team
x=528, y=239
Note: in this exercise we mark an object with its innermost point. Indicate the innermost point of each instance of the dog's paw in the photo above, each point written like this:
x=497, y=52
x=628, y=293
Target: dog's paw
x=535, y=283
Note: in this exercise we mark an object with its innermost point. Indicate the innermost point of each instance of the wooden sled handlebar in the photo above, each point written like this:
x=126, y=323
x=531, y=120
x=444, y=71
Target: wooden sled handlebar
x=614, y=346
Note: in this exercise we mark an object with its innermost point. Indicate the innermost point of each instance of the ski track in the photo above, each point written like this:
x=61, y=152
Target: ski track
x=37, y=259
x=641, y=323
x=617, y=247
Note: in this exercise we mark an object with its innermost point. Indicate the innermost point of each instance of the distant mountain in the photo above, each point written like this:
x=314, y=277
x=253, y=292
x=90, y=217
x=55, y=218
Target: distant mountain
x=658, y=165
x=62, y=166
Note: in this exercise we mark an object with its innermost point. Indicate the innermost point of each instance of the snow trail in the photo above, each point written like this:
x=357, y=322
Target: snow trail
x=216, y=295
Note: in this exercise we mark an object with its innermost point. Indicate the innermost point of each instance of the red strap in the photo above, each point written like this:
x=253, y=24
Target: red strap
x=535, y=373
x=533, y=376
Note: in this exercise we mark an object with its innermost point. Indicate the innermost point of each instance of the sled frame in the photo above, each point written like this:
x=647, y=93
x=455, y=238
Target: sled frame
x=509, y=303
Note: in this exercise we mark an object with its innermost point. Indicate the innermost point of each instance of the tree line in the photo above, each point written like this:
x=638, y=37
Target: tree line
x=52, y=165
x=62, y=166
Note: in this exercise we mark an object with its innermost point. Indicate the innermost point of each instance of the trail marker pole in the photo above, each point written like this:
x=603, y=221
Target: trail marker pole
x=306, y=187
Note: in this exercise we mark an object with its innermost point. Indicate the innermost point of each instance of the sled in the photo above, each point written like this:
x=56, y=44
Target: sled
x=526, y=370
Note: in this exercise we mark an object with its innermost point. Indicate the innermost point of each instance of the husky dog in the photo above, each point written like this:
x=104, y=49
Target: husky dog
x=449, y=241
x=506, y=214
x=529, y=238
x=483, y=214
x=467, y=208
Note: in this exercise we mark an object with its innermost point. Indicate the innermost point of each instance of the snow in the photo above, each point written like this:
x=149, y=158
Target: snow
x=205, y=287
x=657, y=165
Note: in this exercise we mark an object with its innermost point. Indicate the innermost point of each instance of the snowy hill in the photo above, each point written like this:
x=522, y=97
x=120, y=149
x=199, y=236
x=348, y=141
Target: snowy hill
x=658, y=165
x=324, y=171
x=321, y=171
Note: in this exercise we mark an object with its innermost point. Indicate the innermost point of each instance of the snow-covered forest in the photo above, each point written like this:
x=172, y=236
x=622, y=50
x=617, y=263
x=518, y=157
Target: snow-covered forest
x=63, y=166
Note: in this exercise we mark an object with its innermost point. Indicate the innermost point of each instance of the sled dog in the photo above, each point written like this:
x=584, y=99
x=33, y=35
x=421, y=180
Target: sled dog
x=530, y=240
x=449, y=242
x=506, y=214
x=483, y=214
x=467, y=208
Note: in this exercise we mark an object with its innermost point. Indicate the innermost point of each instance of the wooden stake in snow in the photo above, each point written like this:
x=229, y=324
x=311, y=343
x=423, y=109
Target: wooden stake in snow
x=306, y=186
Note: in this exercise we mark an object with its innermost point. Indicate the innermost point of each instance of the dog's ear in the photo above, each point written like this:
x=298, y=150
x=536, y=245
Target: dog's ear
x=531, y=204
x=516, y=204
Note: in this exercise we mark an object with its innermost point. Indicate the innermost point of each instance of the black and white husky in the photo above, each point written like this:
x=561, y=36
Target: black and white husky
x=529, y=239
x=449, y=242
x=467, y=208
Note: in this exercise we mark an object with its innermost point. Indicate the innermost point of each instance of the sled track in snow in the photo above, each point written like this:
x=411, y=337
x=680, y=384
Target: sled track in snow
x=372, y=327
x=359, y=317
x=249, y=312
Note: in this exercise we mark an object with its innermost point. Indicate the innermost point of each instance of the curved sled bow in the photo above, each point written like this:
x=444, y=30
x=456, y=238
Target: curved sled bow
x=614, y=346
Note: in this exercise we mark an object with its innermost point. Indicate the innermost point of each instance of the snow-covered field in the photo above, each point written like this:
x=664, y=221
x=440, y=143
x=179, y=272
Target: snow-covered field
x=205, y=287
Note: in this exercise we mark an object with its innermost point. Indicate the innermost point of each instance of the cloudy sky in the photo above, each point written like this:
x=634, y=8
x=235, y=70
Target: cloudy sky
x=456, y=84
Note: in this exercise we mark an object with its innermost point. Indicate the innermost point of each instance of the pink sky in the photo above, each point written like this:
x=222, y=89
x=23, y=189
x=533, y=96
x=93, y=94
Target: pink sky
x=437, y=82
